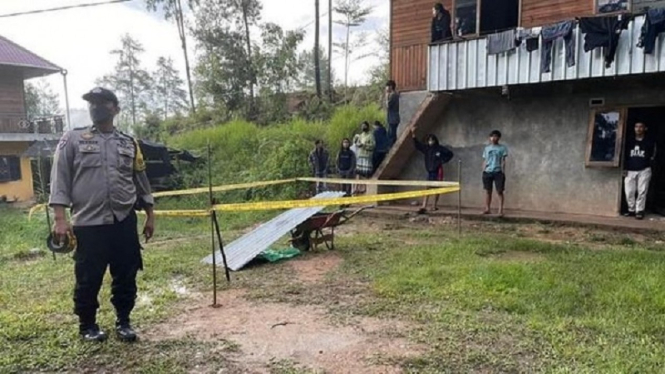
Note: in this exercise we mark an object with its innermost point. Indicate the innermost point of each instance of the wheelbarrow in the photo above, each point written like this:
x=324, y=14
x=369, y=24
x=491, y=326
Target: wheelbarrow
x=320, y=229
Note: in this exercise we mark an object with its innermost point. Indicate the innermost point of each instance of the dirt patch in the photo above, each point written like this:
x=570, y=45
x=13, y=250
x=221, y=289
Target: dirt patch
x=269, y=332
x=314, y=269
x=516, y=256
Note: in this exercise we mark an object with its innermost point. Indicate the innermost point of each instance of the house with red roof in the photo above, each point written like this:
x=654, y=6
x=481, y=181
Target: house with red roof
x=17, y=131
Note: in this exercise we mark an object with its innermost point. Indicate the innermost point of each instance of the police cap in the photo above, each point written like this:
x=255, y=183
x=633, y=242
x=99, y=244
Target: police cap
x=100, y=94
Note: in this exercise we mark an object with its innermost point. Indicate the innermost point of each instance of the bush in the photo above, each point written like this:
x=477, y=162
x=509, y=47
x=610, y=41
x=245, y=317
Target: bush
x=244, y=152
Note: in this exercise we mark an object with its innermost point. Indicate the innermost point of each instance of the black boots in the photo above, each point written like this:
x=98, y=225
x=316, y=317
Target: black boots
x=125, y=333
x=92, y=333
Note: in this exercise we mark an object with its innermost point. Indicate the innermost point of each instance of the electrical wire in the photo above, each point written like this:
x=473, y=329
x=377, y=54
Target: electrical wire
x=311, y=22
x=30, y=12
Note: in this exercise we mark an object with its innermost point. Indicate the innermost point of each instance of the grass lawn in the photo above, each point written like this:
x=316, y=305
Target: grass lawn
x=499, y=305
x=502, y=298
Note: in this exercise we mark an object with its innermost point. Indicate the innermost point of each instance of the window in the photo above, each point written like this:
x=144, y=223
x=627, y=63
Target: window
x=499, y=15
x=611, y=6
x=478, y=17
x=640, y=6
x=604, y=138
x=10, y=168
x=466, y=17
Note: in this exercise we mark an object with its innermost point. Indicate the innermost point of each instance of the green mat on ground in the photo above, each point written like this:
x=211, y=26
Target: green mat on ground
x=275, y=255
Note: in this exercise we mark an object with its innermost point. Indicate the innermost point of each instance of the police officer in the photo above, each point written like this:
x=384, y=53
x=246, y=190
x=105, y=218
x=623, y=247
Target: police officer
x=99, y=173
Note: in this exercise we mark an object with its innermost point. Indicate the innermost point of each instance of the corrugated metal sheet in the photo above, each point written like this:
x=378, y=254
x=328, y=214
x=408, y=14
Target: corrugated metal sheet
x=250, y=245
x=12, y=54
x=466, y=65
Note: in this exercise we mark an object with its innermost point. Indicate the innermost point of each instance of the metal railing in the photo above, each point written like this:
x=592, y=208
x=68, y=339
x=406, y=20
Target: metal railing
x=12, y=124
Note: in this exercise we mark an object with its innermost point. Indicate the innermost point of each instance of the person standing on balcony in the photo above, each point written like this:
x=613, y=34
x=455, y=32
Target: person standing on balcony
x=441, y=24
x=640, y=154
x=392, y=109
x=100, y=174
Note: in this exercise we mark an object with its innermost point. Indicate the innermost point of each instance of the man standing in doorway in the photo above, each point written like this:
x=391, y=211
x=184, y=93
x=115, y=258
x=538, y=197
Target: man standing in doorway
x=99, y=173
x=640, y=153
x=392, y=108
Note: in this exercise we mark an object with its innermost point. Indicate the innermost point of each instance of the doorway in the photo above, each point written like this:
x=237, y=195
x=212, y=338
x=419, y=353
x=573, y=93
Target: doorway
x=653, y=118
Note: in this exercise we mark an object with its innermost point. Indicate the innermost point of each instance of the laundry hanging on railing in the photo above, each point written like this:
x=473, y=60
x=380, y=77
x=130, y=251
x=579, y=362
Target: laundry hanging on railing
x=550, y=34
x=653, y=26
x=604, y=32
x=501, y=42
x=531, y=37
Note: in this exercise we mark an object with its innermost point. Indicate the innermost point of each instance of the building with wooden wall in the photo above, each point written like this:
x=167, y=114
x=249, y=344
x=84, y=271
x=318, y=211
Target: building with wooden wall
x=17, y=131
x=566, y=127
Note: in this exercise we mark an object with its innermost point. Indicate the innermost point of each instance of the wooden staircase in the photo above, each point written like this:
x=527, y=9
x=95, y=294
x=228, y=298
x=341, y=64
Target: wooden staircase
x=424, y=120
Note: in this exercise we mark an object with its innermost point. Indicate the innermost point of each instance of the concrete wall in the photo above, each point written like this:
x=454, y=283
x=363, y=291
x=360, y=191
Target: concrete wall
x=20, y=190
x=545, y=129
x=409, y=102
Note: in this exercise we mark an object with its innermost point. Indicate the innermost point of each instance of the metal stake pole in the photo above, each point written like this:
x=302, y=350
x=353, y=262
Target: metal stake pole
x=214, y=263
x=212, y=231
x=221, y=246
x=459, y=197
x=69, y=119
x=43, y=188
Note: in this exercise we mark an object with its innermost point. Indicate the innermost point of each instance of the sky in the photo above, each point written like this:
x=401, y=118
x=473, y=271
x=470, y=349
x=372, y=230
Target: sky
x=79, y=40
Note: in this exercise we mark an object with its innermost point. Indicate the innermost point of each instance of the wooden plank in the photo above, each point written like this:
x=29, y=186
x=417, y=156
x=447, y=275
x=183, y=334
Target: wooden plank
x=544, y=12
x=409, y=67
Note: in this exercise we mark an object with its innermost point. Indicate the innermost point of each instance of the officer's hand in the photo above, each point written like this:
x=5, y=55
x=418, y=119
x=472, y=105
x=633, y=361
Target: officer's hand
x=61, y=228
x=149, y=228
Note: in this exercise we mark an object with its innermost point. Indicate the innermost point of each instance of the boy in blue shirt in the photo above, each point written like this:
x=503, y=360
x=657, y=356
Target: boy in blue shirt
x=494, y=165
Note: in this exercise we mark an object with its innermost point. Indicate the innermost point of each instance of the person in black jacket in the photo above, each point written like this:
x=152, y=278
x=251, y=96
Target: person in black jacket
x=346, y=164
x=382, y=145
x=436, y=156
x=441, y=24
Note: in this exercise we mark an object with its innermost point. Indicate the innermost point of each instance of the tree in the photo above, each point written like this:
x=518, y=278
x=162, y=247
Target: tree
x=306, y=77
x=251, y=14
x=173, y=10
x=168, y=95
x=40, y=100
x=379, y=74
x=129, y=81
x=353, y=13
x=224, y=68
x=278, y=62
x=330, y=49
x=277, y=59
x=317, y=61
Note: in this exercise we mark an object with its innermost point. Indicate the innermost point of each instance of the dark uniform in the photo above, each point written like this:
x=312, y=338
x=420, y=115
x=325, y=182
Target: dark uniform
x=101, y=176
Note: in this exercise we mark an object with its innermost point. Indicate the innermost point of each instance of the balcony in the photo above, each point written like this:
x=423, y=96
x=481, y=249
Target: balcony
x=462, y=65
x=18, y=128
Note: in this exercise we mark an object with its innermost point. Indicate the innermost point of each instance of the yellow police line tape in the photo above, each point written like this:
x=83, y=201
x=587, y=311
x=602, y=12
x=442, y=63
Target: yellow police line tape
x=293, y=204
x=437, y=188
x=376, y=182
x=373, y=182
x=230, y=187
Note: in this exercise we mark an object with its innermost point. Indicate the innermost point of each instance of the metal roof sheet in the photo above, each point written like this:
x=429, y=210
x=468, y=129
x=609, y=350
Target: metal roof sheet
x=246, y=248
